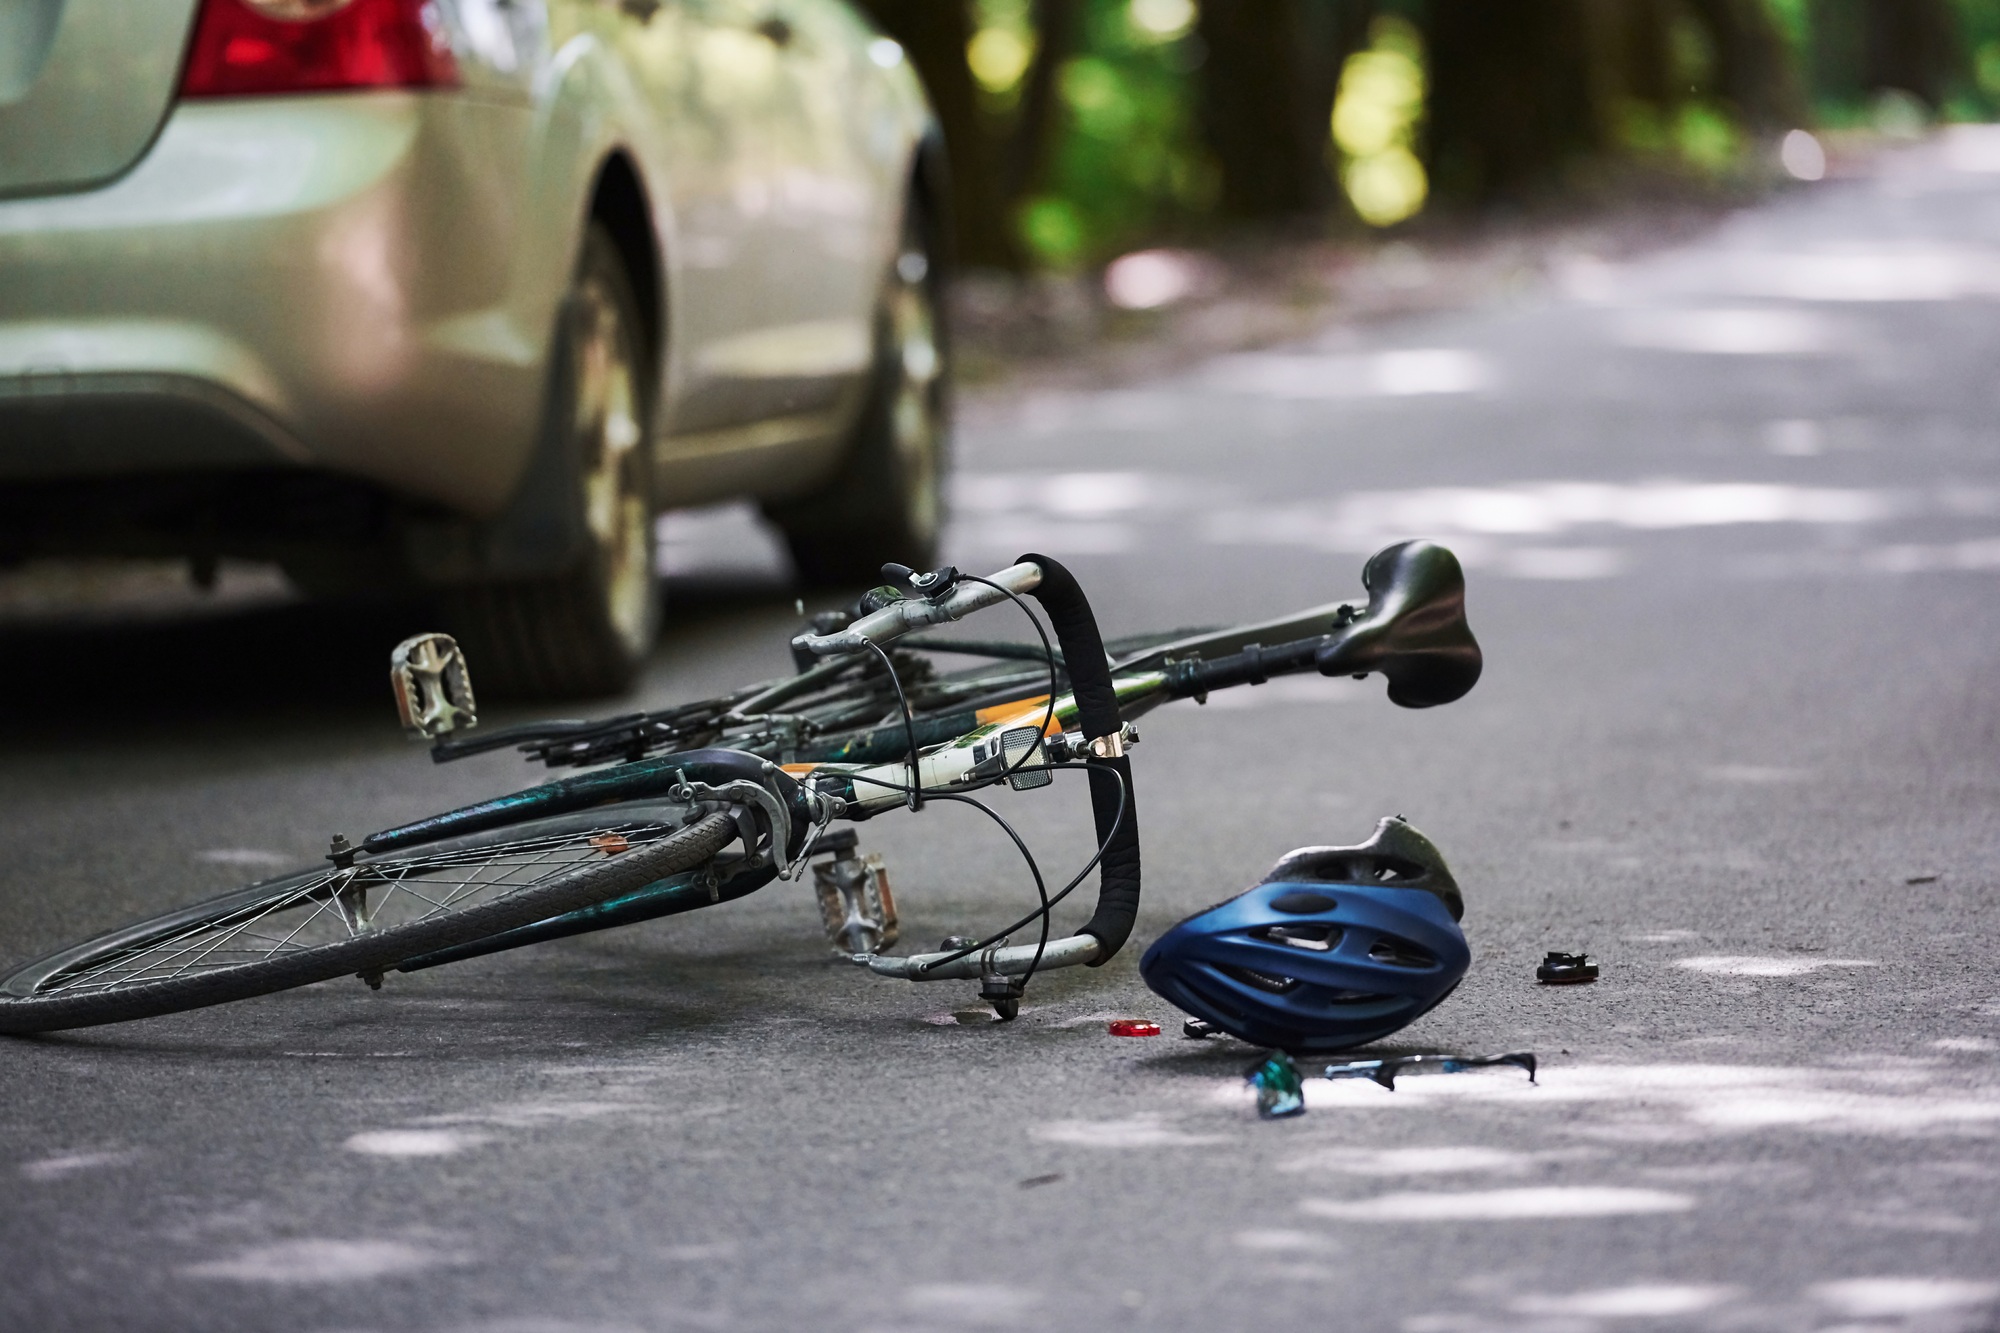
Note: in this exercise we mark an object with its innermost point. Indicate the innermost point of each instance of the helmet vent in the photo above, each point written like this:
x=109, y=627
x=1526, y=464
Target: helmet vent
x=1317, y=936
x=1401, y=953
x=1268, y=982
x=1302, y=902
x=1216, y=998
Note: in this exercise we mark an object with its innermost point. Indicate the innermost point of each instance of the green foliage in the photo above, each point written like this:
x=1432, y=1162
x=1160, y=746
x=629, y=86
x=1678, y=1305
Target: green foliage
x=1130, y=163
x=1706, y=137
x=1986, y=69
x=1376, y=114
x=1053, y=231
x=1690, y=55
x=1697, y=133
x=1002, y=45
x=1794, y=22
x=1961, y=73
x=1639, y=128
x=1979, y=28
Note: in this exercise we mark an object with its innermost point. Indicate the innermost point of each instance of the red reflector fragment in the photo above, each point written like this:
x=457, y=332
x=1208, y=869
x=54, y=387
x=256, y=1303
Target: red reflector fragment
x=1133, y=1027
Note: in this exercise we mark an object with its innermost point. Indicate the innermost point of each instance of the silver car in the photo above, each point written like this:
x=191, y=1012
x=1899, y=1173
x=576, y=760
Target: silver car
x=457, y=295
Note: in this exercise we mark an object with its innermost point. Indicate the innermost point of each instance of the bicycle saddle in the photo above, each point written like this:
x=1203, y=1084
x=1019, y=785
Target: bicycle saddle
x=1414, y=629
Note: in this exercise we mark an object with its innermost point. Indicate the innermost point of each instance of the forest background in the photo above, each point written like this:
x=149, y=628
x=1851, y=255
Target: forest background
x=1079, y=130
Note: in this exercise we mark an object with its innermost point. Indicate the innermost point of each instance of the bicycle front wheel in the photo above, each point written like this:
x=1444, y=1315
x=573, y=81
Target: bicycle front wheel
x=327, y=922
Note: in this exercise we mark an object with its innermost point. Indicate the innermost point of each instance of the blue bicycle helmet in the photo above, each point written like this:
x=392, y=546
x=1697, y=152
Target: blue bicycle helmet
x=1336, y=947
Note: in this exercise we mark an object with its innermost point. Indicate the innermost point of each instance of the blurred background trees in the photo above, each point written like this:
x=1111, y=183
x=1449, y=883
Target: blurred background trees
x=1079, y=129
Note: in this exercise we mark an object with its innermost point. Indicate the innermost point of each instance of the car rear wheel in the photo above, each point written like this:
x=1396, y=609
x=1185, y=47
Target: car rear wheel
x=584, y=631
x=886, y=502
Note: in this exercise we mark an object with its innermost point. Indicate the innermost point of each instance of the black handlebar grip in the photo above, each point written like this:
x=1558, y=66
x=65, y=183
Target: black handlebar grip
x=1082, y=646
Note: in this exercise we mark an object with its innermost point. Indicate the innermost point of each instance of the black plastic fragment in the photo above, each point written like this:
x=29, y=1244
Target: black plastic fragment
x=1566, y=969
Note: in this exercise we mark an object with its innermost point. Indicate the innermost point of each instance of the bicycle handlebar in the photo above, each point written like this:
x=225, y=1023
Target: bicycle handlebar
x=1096, y=698
x=895, y=620
x=1008, y=960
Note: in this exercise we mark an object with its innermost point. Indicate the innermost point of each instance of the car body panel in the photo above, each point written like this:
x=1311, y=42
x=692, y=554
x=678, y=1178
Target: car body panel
x=84, y=85
x=850, y=114
x=343, y=271
x=369, y=282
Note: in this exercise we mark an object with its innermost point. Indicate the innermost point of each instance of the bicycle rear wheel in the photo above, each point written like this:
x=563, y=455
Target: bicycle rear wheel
x=327, y=922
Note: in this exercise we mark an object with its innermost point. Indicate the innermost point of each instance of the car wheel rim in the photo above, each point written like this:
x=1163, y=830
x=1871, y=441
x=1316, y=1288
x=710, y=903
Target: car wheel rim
x=614, y=495
x=916, y=408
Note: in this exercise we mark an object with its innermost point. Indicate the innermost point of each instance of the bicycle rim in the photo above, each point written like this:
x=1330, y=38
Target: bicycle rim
x=327, y=922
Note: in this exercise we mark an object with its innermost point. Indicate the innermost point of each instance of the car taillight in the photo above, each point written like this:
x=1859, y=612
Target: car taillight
x=245, y=47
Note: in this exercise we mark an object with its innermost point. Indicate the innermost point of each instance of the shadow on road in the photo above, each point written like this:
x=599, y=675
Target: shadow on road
x=78, y=676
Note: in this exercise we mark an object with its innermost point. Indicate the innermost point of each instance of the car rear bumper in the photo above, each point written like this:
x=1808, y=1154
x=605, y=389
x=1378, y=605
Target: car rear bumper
x=321, y=282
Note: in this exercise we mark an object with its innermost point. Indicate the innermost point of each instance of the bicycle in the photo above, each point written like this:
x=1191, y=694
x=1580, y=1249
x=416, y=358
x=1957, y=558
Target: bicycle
x=688, y=807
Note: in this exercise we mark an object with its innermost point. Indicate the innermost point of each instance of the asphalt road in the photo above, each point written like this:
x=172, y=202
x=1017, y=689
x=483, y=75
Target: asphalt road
x=1732, y=521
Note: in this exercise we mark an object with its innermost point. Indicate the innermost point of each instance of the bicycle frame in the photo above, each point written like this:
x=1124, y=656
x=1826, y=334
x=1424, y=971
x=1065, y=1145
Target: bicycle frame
x=1411, y=629
x=770, y=767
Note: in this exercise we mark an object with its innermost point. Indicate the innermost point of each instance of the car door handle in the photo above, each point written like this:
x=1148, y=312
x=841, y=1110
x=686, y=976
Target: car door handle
x=776, y=30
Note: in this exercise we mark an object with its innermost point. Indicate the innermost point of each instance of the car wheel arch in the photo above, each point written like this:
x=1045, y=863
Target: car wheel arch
x=619, y=200
x=533, y=532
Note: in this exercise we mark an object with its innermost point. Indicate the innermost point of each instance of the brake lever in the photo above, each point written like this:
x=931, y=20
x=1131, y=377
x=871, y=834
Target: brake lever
x=930, y=586
x=895, y=619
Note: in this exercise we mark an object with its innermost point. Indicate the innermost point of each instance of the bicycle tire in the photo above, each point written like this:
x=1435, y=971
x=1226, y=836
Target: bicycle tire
x=82, y=986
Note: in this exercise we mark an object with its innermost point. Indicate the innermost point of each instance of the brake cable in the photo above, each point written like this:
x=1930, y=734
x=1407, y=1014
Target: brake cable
x=916, y=793
x=916, y=787
x=1049, y=902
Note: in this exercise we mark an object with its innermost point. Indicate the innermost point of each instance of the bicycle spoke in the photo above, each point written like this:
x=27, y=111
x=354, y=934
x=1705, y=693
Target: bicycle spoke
x=191, y=935
x=304, y=915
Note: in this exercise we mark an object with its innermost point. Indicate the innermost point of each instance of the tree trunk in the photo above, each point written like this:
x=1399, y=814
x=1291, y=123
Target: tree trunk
x=1513, y=96
x=1038, y=121
x=1753, y=66
x=1913, y=45
x=1268, y=84
x=1864, y=46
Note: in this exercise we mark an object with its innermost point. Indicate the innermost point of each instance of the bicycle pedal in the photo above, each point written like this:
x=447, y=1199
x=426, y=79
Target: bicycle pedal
x=855, y=902
x=433, y=687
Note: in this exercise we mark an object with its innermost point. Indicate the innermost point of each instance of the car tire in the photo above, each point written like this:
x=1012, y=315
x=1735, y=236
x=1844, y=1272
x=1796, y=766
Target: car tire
x=886, y=502
x=586, y=630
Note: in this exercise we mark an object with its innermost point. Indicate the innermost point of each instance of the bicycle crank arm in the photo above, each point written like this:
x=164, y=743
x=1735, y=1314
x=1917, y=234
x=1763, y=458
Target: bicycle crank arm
x=1006, y=960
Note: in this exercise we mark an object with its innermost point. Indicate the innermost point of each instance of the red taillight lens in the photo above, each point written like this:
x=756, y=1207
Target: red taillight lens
x=244, y=47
